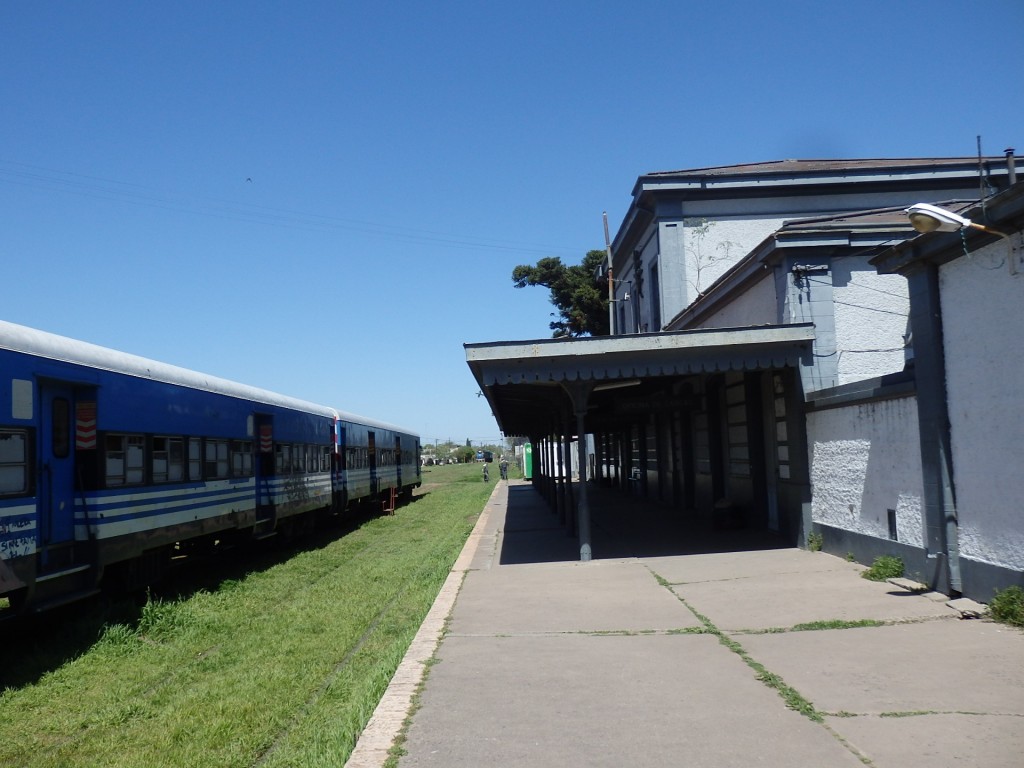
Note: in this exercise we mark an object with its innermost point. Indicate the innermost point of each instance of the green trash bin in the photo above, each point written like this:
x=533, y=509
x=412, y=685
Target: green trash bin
x=528, y=461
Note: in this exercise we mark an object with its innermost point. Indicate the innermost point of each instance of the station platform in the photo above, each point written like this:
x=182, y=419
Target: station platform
x=678, y=645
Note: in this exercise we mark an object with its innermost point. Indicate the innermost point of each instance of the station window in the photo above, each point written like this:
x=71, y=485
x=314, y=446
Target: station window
x=168, y=459
x=13, y=462
x=241, y=458
x=216, y=464
x=125, y=459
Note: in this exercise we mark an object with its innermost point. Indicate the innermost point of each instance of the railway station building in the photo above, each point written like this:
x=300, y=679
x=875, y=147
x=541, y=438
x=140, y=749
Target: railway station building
x=772, y=338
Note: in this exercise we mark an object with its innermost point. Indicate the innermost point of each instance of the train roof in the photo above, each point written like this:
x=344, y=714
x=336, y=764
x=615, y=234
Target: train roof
x=364, y=421
x=19, y=338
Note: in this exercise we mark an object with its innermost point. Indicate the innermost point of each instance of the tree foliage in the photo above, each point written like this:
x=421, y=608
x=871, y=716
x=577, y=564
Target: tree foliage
x=580, y=297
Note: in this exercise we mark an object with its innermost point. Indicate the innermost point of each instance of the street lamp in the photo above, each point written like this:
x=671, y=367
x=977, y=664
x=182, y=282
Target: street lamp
x=925, y=217
x=930, y=218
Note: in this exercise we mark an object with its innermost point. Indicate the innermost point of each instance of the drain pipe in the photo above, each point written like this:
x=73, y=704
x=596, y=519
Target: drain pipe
x=941, y=534
x=1011, y=167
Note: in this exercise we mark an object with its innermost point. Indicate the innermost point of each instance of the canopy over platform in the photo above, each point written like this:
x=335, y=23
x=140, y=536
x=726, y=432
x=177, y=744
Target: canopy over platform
x=528, y=383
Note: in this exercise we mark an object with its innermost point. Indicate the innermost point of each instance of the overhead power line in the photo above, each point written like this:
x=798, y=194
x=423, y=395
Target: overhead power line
x=112, y=190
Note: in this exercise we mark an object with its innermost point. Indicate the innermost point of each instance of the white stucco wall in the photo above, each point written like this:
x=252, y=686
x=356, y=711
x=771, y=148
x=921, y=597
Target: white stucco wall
x=871, y=312
x=983, y=326
x=755, y=306
x=865, y=460
x=710, y=247
x=671, y=269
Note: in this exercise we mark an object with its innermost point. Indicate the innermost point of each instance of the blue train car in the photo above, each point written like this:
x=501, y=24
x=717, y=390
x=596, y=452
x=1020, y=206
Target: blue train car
x=376, y=458
x=112, y=462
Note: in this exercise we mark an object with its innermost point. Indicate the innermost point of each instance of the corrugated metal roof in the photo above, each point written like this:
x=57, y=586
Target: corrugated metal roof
x=795, y=178
x=1003, y=212
x=894, y=217
x=824, y=166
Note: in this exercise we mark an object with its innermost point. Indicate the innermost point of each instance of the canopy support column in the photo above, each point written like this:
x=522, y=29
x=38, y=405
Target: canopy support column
x=579, y=392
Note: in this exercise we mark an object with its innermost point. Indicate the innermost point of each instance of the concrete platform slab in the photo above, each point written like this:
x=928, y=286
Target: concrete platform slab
x=935, y=666
x=585, y=700
x=726, y=566
x=936, y=740
x=775, y=600
x=599, y=596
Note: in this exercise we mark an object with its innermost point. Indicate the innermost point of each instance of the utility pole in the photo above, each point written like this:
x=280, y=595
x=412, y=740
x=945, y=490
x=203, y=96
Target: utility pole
x=611, y=283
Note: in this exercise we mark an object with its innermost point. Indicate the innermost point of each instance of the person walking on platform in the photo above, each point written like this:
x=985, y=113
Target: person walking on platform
x=503, y=467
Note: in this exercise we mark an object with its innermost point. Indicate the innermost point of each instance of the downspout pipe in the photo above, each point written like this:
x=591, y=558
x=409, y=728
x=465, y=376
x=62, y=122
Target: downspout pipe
x=939, y=493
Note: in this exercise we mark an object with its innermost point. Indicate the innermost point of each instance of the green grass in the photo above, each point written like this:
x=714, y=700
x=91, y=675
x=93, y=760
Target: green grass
x=1007, y=606
x=884, y=567
x=277, y=665
x=817, y=626
x=814, y=626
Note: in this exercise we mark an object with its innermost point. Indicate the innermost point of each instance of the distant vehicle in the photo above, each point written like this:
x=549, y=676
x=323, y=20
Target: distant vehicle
x=487, y=456
x=111, y=464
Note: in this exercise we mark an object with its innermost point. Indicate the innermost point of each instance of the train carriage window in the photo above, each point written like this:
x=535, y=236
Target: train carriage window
x=299, y=458
x=176, y=459
x=325, y=459
x=241, y=458
x=135, y=460
x=13, y=462
x=195, y=459
x=283, y=459
x=216, y=464
x=168, y=459
x=125, y=459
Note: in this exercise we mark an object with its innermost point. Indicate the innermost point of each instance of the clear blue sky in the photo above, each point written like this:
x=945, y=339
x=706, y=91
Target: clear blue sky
x=327, y=199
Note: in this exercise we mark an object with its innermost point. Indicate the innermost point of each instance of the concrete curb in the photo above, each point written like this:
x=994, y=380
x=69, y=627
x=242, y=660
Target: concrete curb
x=374, y=743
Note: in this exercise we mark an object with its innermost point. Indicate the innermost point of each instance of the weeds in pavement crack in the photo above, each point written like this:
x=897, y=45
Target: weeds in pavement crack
x=792, y=697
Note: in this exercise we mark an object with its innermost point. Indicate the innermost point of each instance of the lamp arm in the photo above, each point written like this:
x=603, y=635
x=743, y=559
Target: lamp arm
x=1010, y=258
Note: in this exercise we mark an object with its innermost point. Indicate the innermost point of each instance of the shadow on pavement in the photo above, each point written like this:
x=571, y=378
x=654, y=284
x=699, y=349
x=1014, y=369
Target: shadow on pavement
x=622, y=527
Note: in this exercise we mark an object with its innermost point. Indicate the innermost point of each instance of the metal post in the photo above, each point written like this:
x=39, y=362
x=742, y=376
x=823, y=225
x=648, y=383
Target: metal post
x=566, y=449
x=611, y=283
x=584, y=508
x=579, y=392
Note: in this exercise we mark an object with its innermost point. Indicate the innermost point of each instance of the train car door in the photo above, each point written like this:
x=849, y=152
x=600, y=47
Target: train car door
x=56, y=475
x=372, y=458
x=341, y=467
x=398, y=463
x=266, y=511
